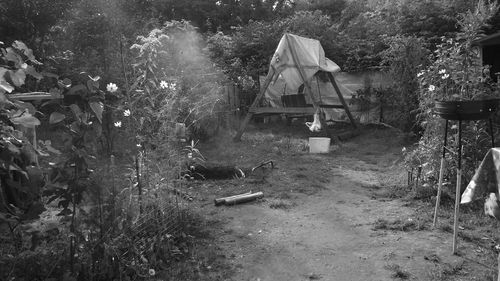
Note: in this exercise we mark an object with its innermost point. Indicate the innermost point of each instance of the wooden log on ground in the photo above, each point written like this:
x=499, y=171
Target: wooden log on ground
x=222, y=200
x=244, y=198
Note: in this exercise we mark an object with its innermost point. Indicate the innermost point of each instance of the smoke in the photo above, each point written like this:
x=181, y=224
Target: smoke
x=188, y=52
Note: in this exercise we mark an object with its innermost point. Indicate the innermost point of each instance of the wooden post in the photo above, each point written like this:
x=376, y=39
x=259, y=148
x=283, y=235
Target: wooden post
x=457, y=189
x=498, y=260
x=441, y=172
x=341, y=98
x=255, y=103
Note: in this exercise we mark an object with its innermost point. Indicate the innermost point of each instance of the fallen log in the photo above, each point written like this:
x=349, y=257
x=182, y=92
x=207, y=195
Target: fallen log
x=222, y=200
x=244, y=198
x=237, y=199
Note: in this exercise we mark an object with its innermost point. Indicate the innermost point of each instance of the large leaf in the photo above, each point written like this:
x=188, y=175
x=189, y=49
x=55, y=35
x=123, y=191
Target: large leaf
x=26, y=105
x=34, y=211
x=75, y=127
x=6, y=86
x=11, y=55
x=27, y=120
x=3, y=83
x=17, y=77
x=3, y=98
x=75, y=89
x=30, y=70
x=56, y=117
x=98, y=108
x=27, y=51
x=13, y=149
x=15, y=167
x=65, y=83
x=77, y=111
x=93, y=85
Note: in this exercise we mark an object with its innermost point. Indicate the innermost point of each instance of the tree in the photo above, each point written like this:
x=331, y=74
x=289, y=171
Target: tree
x=31, y=21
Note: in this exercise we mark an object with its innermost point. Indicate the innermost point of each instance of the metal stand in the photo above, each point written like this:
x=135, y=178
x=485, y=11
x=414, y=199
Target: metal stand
x=459, y=178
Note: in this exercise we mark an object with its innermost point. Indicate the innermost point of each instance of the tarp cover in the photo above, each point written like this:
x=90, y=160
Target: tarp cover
x=310, y=55
x=323, y=91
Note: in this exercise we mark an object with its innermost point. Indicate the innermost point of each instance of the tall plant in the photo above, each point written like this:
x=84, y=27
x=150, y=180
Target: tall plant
x=456, y=73
x=175, y=83
x=401, y=60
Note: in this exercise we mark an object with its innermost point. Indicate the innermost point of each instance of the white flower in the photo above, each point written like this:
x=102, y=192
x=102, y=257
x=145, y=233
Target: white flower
x=111, y=87
x=190, y=155
x=432, y=88
x=166, y=85
x=152, y=272
x=445, y=76
x=126, y=113
x=420, y=74
x=442, y=71
x=118, y=124
x=404, y=149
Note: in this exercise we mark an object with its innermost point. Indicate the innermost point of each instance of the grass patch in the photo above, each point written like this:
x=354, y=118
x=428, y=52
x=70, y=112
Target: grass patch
x=452, y=269
x=397, y=272
x=399, y=225
x=280, y=204
x=448, y=271
x=395, y=191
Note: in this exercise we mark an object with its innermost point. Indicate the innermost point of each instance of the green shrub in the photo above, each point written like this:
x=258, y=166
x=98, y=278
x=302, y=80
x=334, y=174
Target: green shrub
x=455, y=73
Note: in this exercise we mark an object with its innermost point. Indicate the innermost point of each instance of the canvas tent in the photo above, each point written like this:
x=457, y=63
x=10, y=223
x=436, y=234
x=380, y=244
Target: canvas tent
x=278, y=95
x=296, y=60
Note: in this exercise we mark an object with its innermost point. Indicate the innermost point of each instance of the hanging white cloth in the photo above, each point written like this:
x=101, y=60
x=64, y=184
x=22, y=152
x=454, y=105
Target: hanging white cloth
x=315, y=126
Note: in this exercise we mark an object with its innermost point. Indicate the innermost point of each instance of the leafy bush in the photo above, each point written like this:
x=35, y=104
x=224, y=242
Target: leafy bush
x=19, y=192
x=455, y=73
x=175, y=83
x=403, y=58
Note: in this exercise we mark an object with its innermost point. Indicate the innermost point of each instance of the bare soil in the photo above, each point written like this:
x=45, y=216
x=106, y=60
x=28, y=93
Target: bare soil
x=331, y=216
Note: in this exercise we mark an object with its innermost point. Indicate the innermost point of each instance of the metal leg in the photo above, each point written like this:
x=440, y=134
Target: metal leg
x=492, y=133
x=441, y=172
x=458, y=187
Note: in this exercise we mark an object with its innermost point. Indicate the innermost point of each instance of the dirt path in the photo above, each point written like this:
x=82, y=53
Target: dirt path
x=330, y=234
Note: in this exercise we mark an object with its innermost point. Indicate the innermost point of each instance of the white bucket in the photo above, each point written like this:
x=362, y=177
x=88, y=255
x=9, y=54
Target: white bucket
x=319, y=145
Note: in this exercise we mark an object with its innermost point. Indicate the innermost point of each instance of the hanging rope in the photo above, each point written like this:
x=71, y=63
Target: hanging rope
x=319, y=90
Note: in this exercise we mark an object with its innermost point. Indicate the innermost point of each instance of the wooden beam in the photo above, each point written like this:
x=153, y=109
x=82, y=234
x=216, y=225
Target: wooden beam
x=255, y=103
x=307, y=86
x=284, y=110
x=288, y=110
x=336, y=87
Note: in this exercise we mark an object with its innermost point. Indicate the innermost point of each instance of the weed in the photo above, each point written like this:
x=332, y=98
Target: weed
x=399, y=225
x=395, y=191
x=446, y=227
x=397, y=271
x=452, y=269
x=280, y=204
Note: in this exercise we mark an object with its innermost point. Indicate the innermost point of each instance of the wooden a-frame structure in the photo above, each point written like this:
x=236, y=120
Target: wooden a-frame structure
x=273, y=71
